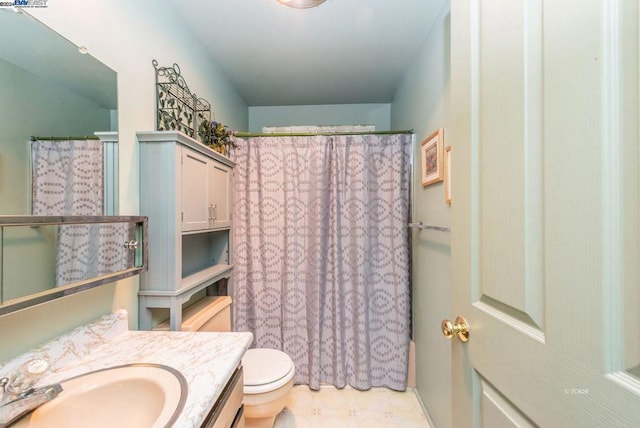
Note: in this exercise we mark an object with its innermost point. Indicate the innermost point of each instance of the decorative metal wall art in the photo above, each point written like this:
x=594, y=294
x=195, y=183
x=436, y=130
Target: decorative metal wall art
x=178, y=108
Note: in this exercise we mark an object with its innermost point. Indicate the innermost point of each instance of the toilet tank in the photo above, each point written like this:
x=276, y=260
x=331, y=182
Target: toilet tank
x=207, y=314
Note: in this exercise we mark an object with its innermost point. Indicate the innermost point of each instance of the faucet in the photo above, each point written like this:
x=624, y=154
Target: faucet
x=14, y=406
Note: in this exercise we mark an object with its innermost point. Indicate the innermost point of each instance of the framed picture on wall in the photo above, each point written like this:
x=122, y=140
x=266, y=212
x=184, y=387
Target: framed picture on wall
x=447, y=175
x=431, y=158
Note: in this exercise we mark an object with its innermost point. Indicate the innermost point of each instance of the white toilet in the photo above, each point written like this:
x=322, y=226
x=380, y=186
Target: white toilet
x=268, y=373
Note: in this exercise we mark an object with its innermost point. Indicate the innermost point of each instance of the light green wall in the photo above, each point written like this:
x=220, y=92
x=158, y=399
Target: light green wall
x=334, y=114
x=422, y=103
x=126, y=36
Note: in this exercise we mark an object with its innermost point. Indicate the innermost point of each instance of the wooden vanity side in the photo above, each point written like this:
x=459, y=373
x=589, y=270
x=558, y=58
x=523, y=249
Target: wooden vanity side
x=228, y=411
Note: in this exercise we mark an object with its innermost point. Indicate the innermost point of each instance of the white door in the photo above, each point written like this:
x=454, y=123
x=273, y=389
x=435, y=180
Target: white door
x=545, y=213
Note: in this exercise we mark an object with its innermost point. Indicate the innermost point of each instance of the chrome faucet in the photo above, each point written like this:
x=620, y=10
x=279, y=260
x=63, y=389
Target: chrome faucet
x=14, y=406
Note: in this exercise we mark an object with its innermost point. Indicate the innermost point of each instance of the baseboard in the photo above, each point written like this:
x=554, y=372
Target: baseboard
x=424, y=408
x=411, y=369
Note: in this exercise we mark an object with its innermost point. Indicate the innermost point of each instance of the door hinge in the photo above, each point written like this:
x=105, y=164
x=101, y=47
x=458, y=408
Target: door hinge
x=182, y=216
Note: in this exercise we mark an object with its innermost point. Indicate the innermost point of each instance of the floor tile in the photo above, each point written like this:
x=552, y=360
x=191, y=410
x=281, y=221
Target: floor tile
x=348, y=407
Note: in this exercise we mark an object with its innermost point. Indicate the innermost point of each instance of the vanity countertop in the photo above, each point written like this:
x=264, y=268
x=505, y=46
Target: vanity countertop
x=206, y=360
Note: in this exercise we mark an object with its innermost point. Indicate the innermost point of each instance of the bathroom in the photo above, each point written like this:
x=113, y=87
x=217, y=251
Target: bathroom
x=127, y=36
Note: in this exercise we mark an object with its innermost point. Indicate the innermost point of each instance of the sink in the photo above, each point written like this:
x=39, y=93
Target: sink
x=133, y=395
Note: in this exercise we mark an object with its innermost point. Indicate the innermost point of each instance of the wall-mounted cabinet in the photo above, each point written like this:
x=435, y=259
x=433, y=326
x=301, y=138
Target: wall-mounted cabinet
x=185, y=190
x=206, y=190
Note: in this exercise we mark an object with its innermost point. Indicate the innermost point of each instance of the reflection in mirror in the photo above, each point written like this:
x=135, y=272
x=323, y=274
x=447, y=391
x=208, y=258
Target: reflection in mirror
x=111, y=248
x=100, y=253
x=52, y=89
x=48, y=88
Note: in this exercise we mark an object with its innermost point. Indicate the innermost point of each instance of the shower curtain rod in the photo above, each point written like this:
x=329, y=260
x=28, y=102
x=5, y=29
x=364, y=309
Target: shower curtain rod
x=83, y=137
x=311, y=134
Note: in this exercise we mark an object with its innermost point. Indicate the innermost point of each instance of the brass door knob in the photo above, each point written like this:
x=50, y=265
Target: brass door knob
x=460, y=328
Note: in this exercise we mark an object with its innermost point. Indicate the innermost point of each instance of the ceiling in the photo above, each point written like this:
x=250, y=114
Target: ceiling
x=341, y=52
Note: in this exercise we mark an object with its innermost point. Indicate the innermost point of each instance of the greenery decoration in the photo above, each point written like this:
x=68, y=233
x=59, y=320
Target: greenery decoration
x=216, y=135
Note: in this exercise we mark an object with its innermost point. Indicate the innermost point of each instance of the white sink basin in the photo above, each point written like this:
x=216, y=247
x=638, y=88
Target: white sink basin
x=136, y=395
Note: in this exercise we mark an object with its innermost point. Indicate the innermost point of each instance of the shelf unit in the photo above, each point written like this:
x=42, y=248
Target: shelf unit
x=185, y=190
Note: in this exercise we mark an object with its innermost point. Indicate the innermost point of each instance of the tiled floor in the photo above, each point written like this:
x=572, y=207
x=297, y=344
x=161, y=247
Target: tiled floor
x=332, y=407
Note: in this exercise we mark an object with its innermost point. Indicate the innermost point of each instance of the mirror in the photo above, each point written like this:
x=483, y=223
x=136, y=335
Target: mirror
x=111, y=248
x=50, y=88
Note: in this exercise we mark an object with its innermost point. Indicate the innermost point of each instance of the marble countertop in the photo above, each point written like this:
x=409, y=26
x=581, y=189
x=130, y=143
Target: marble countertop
x=206, y=360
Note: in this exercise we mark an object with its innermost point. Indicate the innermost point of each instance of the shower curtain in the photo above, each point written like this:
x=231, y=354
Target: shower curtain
x=67, y=179
x=321, y=254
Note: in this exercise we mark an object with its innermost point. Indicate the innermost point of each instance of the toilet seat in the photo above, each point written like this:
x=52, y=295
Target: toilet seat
x=265, y=370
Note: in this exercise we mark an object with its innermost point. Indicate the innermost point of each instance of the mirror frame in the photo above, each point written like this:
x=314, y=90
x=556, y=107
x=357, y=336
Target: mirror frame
x=141, y=256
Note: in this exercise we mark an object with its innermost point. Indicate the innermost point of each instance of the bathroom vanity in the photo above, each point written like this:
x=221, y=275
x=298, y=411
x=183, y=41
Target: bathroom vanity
x=209, y=363
x=228, y=410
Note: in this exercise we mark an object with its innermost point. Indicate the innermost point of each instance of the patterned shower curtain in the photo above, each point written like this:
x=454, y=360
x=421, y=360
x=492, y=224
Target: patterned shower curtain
x=321, y=254
x=67, y=179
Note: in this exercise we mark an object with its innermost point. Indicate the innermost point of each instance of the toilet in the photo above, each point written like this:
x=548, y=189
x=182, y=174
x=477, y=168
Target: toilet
x=268, y=373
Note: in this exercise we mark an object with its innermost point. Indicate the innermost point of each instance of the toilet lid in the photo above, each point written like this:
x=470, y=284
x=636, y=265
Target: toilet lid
x=263, y=366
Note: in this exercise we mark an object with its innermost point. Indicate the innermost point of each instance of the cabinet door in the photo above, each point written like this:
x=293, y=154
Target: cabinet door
x=220, y=195
x=196, y=210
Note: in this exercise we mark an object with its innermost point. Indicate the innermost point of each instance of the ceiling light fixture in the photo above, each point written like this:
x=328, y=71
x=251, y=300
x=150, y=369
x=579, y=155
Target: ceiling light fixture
x=301, y=4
